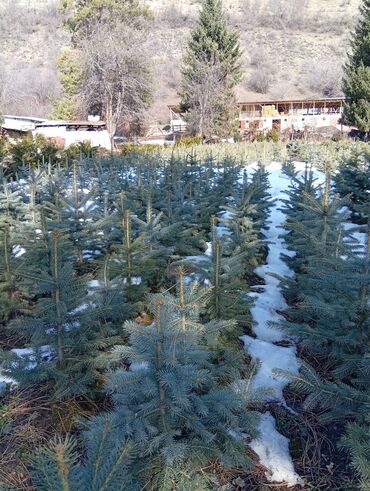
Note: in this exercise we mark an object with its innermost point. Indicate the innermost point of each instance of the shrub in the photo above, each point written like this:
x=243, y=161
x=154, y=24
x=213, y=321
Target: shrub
x=325, y=78
x=261, y=79
x=81, y=150
x=128, y=148
x=188, y=141
x=272, y=135
x=338, y=136
x=30, y=151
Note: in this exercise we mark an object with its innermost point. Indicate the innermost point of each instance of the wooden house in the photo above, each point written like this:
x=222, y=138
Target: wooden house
x=287, y=116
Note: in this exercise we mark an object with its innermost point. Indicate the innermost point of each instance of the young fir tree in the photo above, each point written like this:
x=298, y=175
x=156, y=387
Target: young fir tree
x=301, y=189
x=153, y=231
x=172, y=415
x=261, y=196
x=106, y=465
x=332, y=319
x=222, y=268
x=12, y=213
x=353, y=180
x=356, y=82
x=183, y=235
x=245, y=217
x=74, y=211
x=170, y=401
x=11, y=299
x=65, y=338
x=212, y=44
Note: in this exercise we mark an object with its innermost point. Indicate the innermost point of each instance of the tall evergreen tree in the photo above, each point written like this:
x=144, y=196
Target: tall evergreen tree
x=356, y=82
x=213, y=53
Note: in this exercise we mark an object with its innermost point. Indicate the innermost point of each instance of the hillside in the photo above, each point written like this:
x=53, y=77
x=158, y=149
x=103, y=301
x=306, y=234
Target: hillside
x=292, y=48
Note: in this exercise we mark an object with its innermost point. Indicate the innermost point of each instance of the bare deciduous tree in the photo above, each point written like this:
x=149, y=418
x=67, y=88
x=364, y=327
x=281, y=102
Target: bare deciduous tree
x=261, y=78
x=323, y=77
x=27, y=86
x=116, y=74
x=288, y=13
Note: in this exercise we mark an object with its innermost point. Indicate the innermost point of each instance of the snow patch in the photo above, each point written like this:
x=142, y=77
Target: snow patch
x=18, y=250
x=271, y=357
x=139, y=366
x=272, y=449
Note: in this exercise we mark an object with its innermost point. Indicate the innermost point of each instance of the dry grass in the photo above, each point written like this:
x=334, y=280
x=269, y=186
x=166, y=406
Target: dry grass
x=23, y=427
x=28, y=420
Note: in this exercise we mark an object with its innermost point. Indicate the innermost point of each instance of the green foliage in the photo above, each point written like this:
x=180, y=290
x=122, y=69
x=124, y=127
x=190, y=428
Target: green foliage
x=10, y=298
x=66, y=337
x=356, y=81
x=329, y=306
x=82, y=14
x=188, y=141
x=183, y=415
x=211, y=39
x=71, y=76
x=80, y=150
x=353, y=180
x=171, y=416
x=357, y=441
x=271, y=135
x=132, y=148
x=105, y=467
x=97, y=240
x=112, y=81
x=31, y=152
x=65, y=109
x=3, y=147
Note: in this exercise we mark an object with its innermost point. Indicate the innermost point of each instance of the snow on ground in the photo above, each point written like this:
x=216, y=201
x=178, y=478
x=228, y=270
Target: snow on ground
x=273, y=451
x=18, y=250
x=138, y=366
x=271, y=447
x=271, y=356
x=359, y=236
x=4, y=380
x=30, y=353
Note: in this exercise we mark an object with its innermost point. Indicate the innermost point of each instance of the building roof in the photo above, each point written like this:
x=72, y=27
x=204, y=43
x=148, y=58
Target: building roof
x=25, y=124
x=29, y=119
x=52, y=123
x=70, y=123
x=293, y=101
x=176, y=109
x=22, y=124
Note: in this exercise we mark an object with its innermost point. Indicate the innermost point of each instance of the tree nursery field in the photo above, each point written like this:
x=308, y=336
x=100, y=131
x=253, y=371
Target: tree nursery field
x=186, y=320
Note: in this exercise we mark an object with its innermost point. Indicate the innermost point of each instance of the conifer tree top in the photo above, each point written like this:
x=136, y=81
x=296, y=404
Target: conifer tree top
x=361, y=38
x=356, y=80
x=213, y=40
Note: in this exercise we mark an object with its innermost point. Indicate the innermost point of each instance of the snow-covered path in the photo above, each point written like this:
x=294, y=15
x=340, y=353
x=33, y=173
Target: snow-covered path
x=272, y=447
